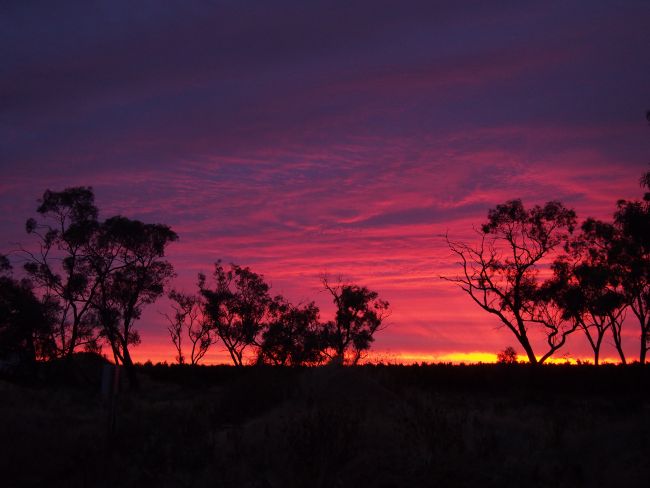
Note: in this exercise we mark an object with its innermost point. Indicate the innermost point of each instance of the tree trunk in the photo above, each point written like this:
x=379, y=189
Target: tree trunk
x=618, y=344
x=237, y=357
x=595, y=346
x=73, y=339
x=599, y=341
x=357, y=356
x=130, y=368
x=644, y=345
x=523, y=340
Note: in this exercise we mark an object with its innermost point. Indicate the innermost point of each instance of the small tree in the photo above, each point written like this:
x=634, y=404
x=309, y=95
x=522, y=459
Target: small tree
x=188, y=322
x=507, y=356
x=359, y=314
x=501, y=274
x=293, y=335
x=236, y=308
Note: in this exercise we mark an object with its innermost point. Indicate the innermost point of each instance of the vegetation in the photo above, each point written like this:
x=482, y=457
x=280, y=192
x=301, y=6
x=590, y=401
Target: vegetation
x=507, y=356
x=501, y=273
x=243, y=315
x=63, y=267
x=92, y=277
x=597, y=274
x=188, y=322
x=372, y=425
x=87, y=281
x=25, y=321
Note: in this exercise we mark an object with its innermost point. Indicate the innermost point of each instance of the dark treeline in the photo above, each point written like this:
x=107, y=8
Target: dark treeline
x=536, y=270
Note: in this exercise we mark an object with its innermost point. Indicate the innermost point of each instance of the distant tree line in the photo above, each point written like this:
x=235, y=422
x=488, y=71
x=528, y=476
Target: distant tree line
x=536, y=271
x=87, y=281
x=236, y=309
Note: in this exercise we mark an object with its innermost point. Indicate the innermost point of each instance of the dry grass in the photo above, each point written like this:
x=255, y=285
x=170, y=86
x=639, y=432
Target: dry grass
x=384, y=426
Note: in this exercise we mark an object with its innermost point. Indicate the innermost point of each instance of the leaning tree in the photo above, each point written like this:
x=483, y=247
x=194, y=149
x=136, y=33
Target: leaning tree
x=501, y=273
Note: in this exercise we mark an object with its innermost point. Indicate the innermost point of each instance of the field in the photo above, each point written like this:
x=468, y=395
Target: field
x=373, y=425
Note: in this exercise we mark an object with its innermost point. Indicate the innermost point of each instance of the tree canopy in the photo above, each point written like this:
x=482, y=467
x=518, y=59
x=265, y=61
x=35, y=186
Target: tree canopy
x=96, y=276
x=359, y=314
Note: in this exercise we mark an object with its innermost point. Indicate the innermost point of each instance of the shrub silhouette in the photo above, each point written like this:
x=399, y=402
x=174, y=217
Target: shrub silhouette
x=507, y=356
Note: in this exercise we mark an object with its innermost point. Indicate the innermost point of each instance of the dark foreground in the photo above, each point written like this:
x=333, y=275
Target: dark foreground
x=375, y=426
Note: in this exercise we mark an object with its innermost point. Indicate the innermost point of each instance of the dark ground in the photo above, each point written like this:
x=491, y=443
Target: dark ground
x=375, y=426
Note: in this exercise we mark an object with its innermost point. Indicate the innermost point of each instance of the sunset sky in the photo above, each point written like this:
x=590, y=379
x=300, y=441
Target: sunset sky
x=341, y=138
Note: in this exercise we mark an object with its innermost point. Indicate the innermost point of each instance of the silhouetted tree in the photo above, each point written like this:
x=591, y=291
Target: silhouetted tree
x=293, y=335
x=137, y=278
x=501, y=273
x=25, y=322
x=507, y=356
x=61, y=268
x=188, y=322
x=236, y=308
x=359, y=314
x=587, y=285
x=631, y=252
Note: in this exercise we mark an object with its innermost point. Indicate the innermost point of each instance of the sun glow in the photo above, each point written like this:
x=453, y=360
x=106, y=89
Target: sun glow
x=473, y=357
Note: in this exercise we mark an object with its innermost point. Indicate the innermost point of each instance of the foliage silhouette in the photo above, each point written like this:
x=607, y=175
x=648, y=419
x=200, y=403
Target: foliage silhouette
x=5, y=265
x=631, y=252
x=236, y=308
x=293, y=335
x=96, y=276
x=138, y=278
x=359, y=314
x=25, y=322
x=62, y=266
x=587, y=285
x=507, y=356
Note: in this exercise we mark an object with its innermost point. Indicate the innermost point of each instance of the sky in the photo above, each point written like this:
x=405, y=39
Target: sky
x=337, y=138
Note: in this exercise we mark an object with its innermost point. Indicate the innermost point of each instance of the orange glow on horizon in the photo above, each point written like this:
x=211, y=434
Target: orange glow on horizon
x=219, y=357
